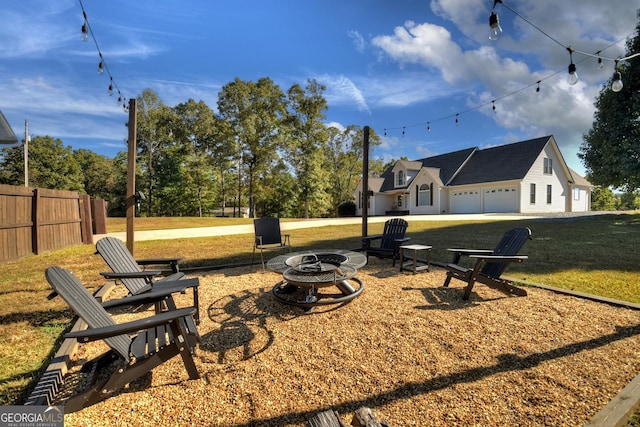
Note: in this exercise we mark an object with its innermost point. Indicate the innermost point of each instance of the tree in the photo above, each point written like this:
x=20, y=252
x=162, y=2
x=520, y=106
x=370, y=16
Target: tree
x=602, y=199
x=611, y=149
x=193, y=129
x=343, y=159
x=254, y=112
x=305, y=151
x=153, y=139
x=98, y=172
x=51, y=165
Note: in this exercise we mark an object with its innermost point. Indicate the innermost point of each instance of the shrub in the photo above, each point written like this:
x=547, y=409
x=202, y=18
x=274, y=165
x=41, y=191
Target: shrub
x=346, y=209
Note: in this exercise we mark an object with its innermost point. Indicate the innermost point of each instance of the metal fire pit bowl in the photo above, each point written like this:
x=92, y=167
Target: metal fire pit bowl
x=305, y=272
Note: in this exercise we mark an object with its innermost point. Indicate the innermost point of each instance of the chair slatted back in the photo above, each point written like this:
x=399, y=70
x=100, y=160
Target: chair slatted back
x=510, y=244
x=76, y=295
x=269, y=229
x=394, y=228
x=119, y=259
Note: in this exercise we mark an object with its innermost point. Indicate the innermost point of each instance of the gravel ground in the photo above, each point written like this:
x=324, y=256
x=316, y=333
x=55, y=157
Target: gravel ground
x=412, y=351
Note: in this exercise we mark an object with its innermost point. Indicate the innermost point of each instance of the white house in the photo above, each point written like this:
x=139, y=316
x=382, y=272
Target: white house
x=527, y=176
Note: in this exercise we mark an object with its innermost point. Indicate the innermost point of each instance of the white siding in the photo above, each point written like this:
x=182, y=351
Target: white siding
x=558, y=181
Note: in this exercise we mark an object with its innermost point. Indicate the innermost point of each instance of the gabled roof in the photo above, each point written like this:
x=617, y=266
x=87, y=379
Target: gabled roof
x=472, y=166
x=503, y=163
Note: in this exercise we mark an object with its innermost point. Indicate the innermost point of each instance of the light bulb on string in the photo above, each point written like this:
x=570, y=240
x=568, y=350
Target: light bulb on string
x=403, y=131
x=494, y=106
x=538, y=88
x=85, y=32
x=457, y=121
x=616, y=82
x=428, y=126
x=110, y=91
x=101, y=67
x=495, y=30
x=572, y=78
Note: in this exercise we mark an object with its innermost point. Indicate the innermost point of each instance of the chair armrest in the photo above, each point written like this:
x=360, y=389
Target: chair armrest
x=469, y=252
x=372, y=237
x=404, y=239
x=500, y=258
x=147, y=274
x=150, y=297
x=176, y=285
x=93, y=334
x=172, y=262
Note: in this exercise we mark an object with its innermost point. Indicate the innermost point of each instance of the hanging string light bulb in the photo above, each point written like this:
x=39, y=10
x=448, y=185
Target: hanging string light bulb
x=572, y=78
x=494, y=106
x=495, y=30
x=85, y=31
x=538, y=88
x=616, y=80
x=110, y=91
x=428, y=127
x=457, y=121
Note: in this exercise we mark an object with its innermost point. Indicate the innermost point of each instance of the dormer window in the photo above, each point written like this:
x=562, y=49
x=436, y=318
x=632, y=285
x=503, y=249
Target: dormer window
x=400, y=178
x=548, y=166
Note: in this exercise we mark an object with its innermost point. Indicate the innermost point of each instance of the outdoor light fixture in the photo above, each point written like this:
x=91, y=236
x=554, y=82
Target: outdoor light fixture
x=495, y=30
x=573, y=75
x=101, y=67
x=85, y=32
x=616, y=83
x=6, y=133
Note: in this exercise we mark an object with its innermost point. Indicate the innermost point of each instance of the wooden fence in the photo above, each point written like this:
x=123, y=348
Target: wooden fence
x=35, y=220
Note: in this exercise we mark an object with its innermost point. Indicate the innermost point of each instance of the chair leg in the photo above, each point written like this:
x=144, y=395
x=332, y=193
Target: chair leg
x=262, y=260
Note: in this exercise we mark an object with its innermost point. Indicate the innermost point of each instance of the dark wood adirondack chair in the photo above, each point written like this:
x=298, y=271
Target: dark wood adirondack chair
x=390, y=240
x=137, y=346
x=268, y=237
x=490, y=264
x=135, y=278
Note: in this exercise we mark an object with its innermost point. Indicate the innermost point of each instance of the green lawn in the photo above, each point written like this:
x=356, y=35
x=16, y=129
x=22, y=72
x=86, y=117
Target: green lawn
x=595, y=255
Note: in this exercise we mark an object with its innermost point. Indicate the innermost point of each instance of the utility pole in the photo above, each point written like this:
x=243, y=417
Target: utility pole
x=26, y=153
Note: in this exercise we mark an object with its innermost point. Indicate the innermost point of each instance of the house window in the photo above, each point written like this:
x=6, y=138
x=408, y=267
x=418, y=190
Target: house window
x=576, y=194
x=548, y=166
x=532, y=195
x=548, y=194
x=400, y=178
x=425, y=197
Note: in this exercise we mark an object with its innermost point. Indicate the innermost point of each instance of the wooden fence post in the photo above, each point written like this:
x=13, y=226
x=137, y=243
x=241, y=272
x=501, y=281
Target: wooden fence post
x=35, y=206
x=86, y=228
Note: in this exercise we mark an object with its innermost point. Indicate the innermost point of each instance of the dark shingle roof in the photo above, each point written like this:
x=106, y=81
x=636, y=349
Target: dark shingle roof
x=503, y=163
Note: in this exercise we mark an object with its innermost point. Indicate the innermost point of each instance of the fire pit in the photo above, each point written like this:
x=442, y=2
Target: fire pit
x=305, y=273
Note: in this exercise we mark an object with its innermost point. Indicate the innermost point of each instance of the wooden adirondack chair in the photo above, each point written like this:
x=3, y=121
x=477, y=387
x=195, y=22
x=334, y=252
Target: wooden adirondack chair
x=490, y=264
x=128, y=270
x=137, y=346
x=269, y=237
x=391, y=238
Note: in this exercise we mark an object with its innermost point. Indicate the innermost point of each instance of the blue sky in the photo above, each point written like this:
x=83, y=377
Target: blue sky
x=392, y=65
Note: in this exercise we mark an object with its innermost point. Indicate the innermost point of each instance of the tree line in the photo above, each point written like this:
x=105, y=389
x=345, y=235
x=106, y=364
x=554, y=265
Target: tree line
x=264, y=149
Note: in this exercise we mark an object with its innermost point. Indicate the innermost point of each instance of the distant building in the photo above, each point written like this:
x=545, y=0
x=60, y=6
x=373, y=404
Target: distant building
x=528, y=176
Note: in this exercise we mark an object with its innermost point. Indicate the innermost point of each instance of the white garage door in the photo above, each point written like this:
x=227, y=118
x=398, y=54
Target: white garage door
x=500, y=199
x=465, y=201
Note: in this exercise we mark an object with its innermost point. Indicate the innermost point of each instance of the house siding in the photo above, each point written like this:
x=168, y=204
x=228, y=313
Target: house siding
x=496, y=179
x=558, y=180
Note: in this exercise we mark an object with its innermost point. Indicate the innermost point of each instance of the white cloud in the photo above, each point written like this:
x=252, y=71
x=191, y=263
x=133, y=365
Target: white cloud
x=342, y=90
x=358, y=40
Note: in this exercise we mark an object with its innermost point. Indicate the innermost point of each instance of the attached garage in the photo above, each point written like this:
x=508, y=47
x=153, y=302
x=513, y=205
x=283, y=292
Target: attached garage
x=465, y=201
x=500, y=199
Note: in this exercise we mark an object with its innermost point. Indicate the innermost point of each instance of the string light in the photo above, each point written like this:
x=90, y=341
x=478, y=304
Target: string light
x=616, y=80
x=87, y=31
x=573, y=75
x=494, y=106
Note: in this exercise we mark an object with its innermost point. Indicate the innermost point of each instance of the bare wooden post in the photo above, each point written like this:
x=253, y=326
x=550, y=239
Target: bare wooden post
x=365, y=184
x=131, y=174
x=35, y=236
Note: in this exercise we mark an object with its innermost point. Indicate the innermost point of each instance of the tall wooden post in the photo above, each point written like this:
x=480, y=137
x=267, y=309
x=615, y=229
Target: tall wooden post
x=131, y=174
x=365, y=183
